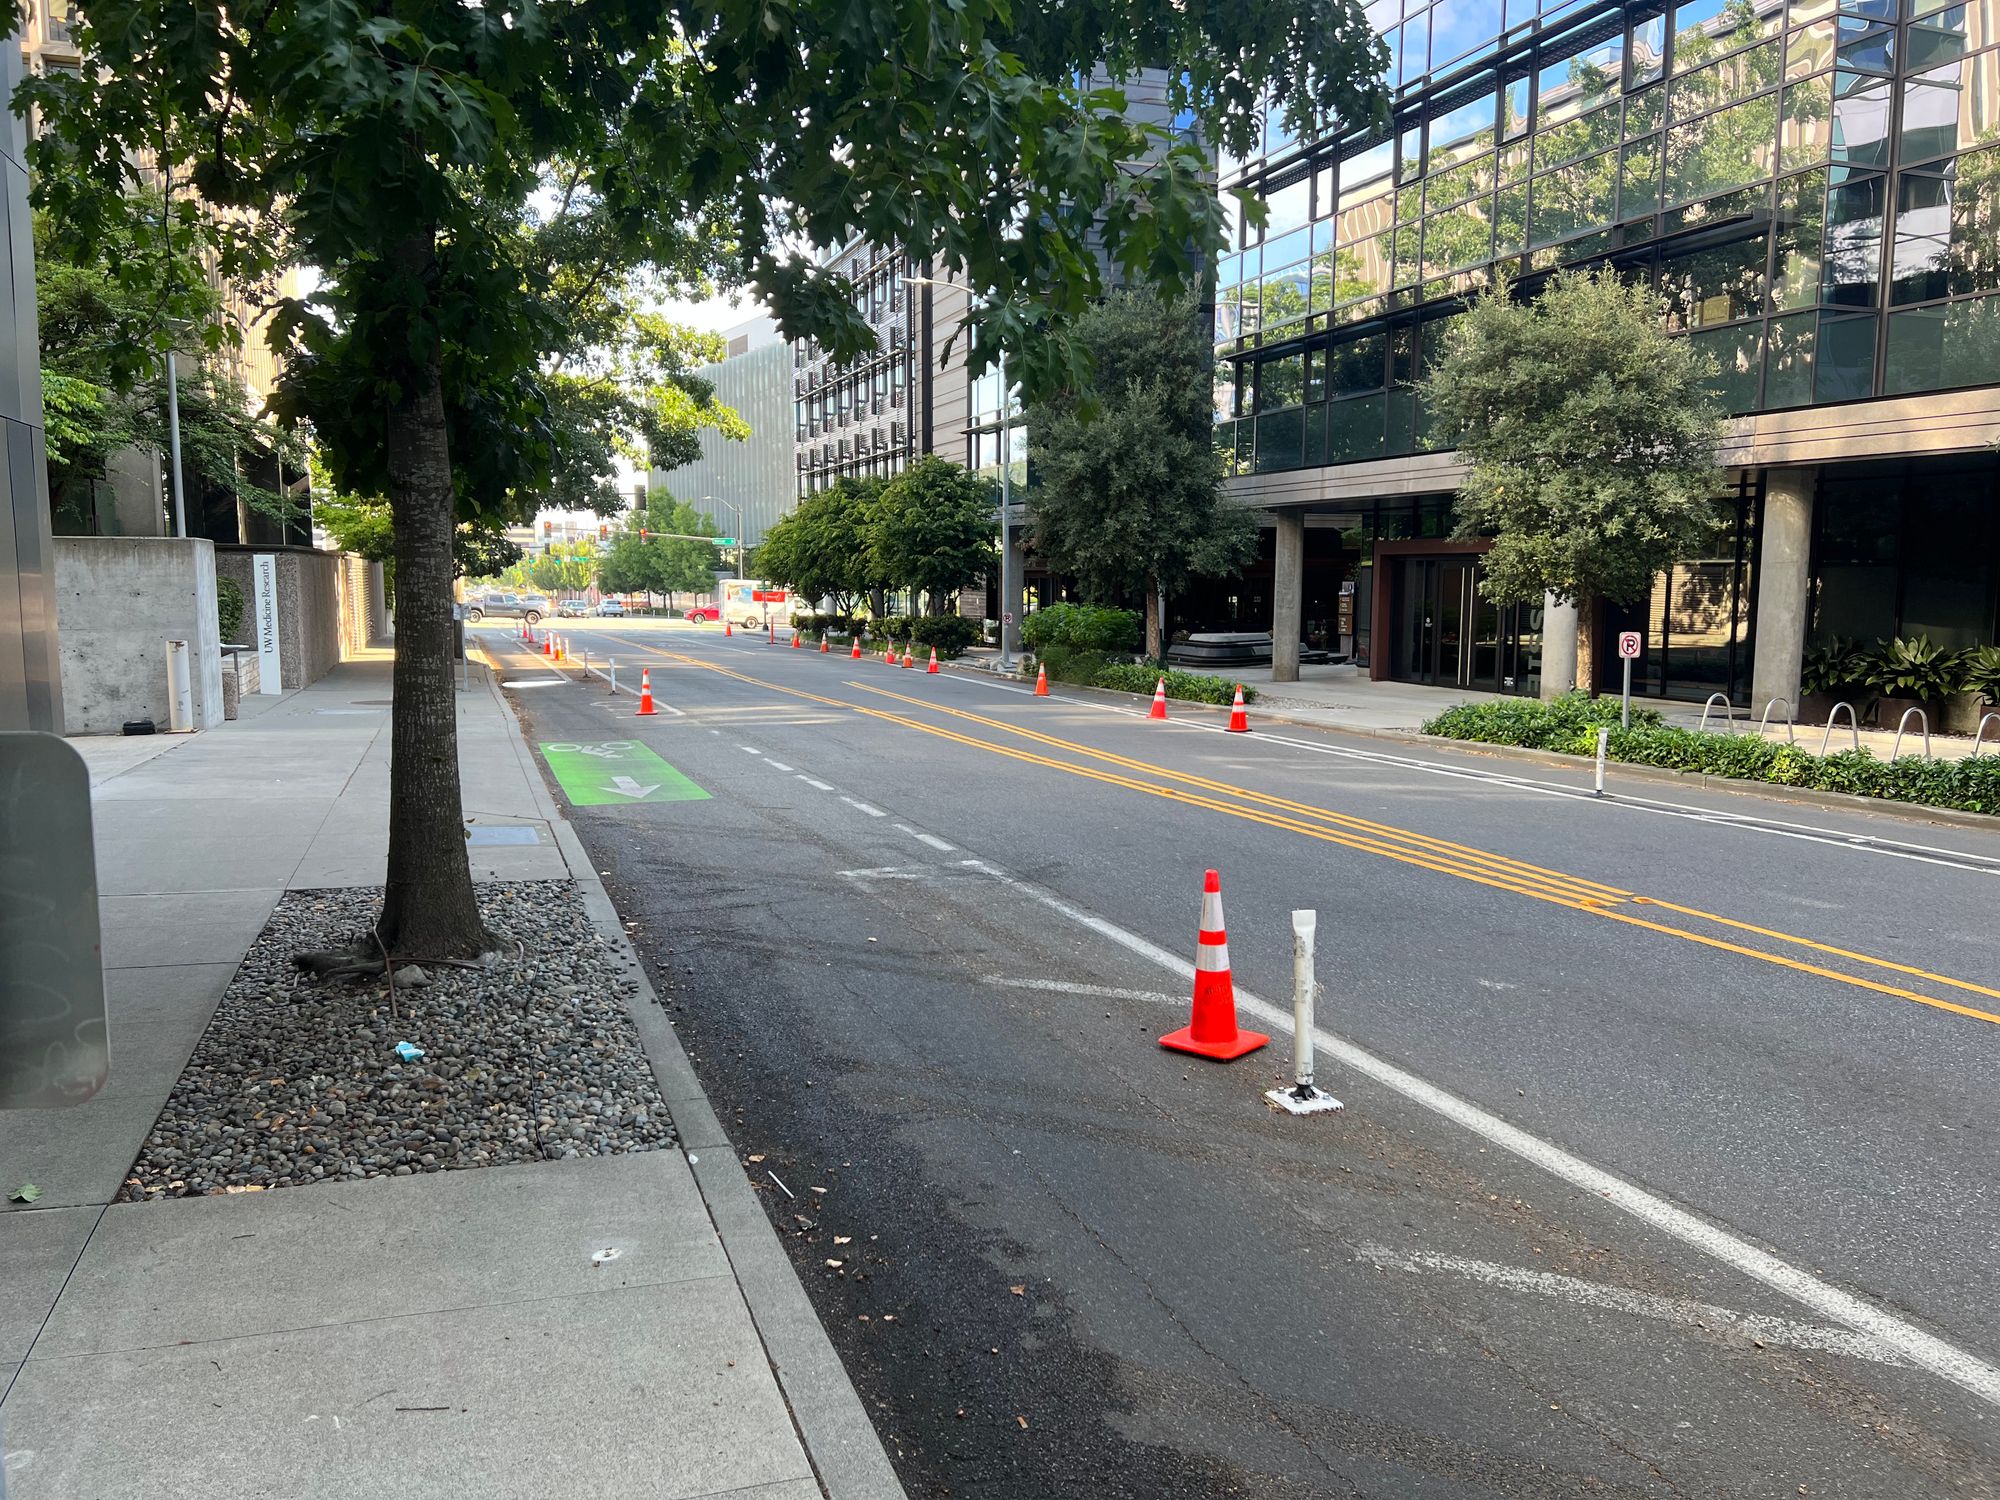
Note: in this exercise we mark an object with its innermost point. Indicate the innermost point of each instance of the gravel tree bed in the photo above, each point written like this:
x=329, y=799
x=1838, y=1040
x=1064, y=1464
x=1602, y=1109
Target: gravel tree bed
x=297, y=1079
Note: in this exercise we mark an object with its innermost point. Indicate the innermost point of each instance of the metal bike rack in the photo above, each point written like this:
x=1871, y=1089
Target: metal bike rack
x=1713, y=699
x=1984, y=720
x=1833, y=717
x=1791, y=726
x=1903, y=723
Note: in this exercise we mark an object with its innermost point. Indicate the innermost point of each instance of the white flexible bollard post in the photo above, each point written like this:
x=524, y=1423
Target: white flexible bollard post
x=1303, y=1098
x=1603, y=746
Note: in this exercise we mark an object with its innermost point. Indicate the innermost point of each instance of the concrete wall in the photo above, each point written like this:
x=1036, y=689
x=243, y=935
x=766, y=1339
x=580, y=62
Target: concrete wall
x=30, y=674
x=309, y=628
x=119, y=600
x=364, y=612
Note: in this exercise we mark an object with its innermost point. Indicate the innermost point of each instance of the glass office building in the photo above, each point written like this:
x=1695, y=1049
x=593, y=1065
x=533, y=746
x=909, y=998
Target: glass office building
x=1814, y=189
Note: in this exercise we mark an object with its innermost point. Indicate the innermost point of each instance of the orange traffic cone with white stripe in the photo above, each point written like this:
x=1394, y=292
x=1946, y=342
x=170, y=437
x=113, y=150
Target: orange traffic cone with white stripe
x=1212, y=1030
x=559, y=649
x=1041, y=682
x=795, y=637
x=892, y=658
x=1159, y=708
x=824, y=648
x=646, y=709
x=855, y=654
x=909, y=657
x=1239, y=721
x=548, y=645
x=726, y=629
x=932, y=669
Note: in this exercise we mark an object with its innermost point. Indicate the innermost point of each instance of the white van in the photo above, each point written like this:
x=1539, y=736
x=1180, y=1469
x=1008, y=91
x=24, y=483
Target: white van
x=750, y=605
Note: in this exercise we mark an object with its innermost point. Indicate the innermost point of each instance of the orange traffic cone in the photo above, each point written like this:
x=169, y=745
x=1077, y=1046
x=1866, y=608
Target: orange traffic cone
x=855, y=654
x=1211, y=1031
x=824, y=648
x=795, y=637
x=892, y=657
x=726, y=630
x=1041, y=682
x=1239, y=721
x=646, y=709
x=548, y=646
x=771, y=632
x=1159, y=708
x=932, y=669
x=559, y=648
x=909, y=657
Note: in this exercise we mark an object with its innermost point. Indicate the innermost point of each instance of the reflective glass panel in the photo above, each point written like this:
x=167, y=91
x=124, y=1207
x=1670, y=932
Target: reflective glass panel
x=1584, y=136
x=1919, y=257
x=1800, y=241
x=1462, y=27
x=1870, y=48
x=1645, y=112
x=1788, y=361
x=1807, y=123
x=1639, y=182
x=1738, y=354
x=1514, y=119
x=1458, y=238
x=1290, y=207
x=1844, y=359
x=1735, y=77
x=1284, y=296
x=1279, y=440
x=1574, y=198
x=1705, y=29
x=1809, y=50
x=1723, y=151
x=1951, y=108
x=1510, y=220
x=1853, y=262
x=1717, y=284
x=1646, y=51
x=1280, y=382
x=1942, y=35
x=1860, y=122
x=1357, y=365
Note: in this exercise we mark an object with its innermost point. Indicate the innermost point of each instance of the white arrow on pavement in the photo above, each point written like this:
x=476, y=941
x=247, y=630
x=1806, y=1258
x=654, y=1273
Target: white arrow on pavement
x=626, y=786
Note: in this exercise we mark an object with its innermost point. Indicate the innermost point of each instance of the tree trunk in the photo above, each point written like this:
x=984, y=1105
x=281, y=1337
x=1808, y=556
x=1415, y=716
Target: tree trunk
x=1156, y=648
x=428, y=907
x=1586, y=645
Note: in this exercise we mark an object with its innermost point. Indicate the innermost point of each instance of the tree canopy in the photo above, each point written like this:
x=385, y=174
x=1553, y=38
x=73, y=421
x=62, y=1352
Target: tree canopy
x=656, y=552
x=1128, y=496
x=821, y=550
x=1590, y=434
x=396, y=148
x=932, y=529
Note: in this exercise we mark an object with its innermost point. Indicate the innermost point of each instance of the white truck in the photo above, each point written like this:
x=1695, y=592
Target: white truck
x=750, y=605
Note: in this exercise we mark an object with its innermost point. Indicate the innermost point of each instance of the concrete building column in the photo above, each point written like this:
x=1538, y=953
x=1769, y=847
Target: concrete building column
x=1784, y=585
x=1288, y=594
x=1559, y=624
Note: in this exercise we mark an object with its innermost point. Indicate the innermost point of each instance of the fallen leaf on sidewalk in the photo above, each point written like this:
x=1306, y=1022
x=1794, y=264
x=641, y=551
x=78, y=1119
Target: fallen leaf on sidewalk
x=758, y=1157
x=836, y=1264
x=27, y=1192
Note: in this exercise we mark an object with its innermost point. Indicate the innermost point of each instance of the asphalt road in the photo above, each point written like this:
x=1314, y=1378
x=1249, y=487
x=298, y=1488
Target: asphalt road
x=1667, y=1162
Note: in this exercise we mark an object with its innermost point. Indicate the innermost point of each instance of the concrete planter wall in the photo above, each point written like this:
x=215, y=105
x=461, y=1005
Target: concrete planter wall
x=119, y=600
x=309, y=608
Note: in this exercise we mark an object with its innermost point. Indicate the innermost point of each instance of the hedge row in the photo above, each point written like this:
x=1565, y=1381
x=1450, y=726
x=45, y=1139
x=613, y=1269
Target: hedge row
x=949, y=633
x=1095, y=669
x=1570, y=725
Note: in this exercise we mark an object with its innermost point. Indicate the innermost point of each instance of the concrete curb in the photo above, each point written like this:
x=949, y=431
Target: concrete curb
x=839, y=1439
x=1908, y=812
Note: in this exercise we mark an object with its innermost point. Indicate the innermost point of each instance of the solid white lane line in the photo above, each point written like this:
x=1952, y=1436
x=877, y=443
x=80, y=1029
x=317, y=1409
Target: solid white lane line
x=886, y=872
x=818, y=785
x=1064, y=987
x=780, y=765
x=873, y=812
x=1921, y=1349
x=1578, y=1292
x=927, y=838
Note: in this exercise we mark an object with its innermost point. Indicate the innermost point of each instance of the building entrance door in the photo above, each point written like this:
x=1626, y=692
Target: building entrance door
x=1449, y=634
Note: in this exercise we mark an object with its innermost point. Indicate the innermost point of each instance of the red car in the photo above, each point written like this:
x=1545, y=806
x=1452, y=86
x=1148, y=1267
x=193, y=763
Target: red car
x=702, y=614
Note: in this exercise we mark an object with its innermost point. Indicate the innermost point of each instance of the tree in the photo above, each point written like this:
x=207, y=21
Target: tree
x=821, y=549
x=931, y=528
x=1590, y=437
x=1128, y=496
x=395, y=148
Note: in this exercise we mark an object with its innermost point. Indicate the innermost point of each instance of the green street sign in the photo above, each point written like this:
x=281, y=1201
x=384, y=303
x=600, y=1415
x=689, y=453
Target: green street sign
x=616, y=771
x=723, y=541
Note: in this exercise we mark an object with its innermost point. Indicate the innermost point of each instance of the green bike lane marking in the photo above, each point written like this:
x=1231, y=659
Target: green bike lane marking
x=611, y=771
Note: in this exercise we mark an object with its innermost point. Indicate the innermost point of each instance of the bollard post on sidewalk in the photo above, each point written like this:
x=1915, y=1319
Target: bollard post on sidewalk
x=1302, y=1098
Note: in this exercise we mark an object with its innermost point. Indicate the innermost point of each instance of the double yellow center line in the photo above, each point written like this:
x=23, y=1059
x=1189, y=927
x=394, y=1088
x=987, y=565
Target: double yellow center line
x=1423, y=851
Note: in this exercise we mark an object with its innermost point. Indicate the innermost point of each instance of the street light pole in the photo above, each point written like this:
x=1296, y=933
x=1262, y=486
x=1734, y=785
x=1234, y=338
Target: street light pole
x=737, y=511
x=174, y=445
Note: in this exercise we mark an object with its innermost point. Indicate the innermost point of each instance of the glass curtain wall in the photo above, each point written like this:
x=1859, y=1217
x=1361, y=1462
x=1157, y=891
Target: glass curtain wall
x=1813, y=186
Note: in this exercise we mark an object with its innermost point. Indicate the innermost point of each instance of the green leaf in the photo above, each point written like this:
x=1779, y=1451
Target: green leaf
x=27, y=1192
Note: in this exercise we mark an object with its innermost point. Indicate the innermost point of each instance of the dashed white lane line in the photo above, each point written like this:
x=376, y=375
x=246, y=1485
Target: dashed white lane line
x=778, y=764
x=1064, y=987
x=749, y=749
x=817, y=785
x=1923, y=1350
x=1757, y=1327
x=927, y=838
x=860, y=806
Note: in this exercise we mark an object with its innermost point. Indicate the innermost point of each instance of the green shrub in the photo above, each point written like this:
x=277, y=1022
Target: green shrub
x=1915, y=668
x=890, y=627
x=1081, y=627
x=228, y=609
x=951, y=634
x=1570, y=725
x=817, y=625
x=1191, y=687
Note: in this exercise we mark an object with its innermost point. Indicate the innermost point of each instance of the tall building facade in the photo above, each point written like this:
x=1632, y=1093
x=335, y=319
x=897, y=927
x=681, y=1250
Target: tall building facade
x=745, y=485
x=1813, y=186
x=866, y=416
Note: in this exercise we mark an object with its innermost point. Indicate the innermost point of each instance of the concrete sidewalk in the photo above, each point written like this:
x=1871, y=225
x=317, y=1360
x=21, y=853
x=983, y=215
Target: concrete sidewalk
x=428, y=1336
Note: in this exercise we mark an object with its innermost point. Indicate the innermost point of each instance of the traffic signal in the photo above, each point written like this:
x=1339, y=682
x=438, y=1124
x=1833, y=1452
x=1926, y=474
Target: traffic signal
x=547, y=527
x=603, y=531
x=642, y=533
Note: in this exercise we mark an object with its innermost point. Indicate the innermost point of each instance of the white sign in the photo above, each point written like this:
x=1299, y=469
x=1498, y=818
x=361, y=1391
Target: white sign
x=264, y=584
x=1628, y=644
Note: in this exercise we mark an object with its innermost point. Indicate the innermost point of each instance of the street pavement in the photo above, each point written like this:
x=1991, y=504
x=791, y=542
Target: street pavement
x=1666, y=1166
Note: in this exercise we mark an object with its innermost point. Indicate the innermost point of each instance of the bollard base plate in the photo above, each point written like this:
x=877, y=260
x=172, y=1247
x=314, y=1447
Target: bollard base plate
x=1303, y=1101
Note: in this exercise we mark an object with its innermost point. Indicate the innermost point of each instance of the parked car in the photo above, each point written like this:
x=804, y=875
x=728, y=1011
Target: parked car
x=502, y=606
x=573, y=609
x=702, y=614
x=610, y=609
